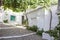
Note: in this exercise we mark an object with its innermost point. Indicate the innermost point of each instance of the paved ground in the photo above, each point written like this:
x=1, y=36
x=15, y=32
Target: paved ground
x=17, y=34
x=4, y=25
x=13, y=31
x=31, y=37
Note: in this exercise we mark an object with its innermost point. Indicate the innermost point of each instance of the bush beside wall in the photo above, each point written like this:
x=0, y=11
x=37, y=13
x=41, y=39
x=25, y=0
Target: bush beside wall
x=5, y=21
x=33, y=28
x=39, y=32
x=53, y=33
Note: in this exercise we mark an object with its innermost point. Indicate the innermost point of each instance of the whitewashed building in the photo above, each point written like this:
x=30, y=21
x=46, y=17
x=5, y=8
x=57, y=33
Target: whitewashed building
x=1, y=15
x=37, y=16
x=11, y=17
x=41, y=17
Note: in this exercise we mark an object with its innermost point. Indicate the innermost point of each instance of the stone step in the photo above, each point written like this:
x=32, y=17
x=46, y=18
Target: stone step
x=6, y=37
x=13, y=32
x=29, y=37
x=4, y=25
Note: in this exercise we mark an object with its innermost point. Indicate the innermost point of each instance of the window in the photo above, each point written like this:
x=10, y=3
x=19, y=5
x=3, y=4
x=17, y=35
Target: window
x=13, y=18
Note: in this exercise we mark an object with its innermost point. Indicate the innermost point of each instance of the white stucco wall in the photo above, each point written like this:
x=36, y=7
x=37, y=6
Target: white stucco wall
x=1, y=17
x=37, y=18
x=47, y=20
x=55, y=20
x=32, y=17
x=41, y=18
x=1, y=14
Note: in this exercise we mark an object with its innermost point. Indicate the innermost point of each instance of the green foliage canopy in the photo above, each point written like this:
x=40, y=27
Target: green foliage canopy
x=15, y=5
x=22, y=5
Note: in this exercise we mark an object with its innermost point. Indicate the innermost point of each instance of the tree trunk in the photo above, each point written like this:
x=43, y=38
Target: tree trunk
x=58, y=6
x=1, y=2
x=50, y=18
x=26, y=19
x=58, y=26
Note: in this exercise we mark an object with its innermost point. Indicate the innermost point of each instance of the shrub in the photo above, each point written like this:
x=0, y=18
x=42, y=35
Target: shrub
x=33, y=28
x=58, y=28
x=25, y=22
x=5, y=21
x=39, y=32
x=27, y=27
x=53, y=33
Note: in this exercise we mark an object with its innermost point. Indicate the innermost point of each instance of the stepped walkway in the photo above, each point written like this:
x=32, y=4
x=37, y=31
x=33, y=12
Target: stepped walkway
x=8, y=32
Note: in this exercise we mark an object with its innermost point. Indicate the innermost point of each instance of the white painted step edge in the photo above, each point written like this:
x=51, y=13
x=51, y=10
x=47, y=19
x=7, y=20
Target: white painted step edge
x=10, y=28
x=17, y=36
x=7, y=27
